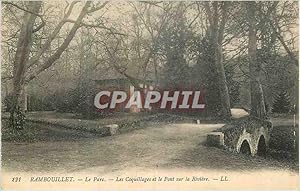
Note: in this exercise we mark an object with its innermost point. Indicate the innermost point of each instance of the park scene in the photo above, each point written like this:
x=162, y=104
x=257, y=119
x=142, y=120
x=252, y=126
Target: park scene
x=110, y=88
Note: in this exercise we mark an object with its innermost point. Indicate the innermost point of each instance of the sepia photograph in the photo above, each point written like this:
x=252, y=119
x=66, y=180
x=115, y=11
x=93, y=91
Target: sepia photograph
x=149, y=95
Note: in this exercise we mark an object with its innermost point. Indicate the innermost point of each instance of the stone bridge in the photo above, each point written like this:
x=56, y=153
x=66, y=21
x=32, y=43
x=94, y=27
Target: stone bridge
x=248, y=135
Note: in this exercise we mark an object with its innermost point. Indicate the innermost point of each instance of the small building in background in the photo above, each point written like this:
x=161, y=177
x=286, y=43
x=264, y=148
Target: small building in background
x=126, y=85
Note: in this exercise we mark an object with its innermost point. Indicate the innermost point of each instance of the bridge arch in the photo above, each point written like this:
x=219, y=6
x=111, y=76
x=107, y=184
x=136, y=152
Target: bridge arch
x=245, y=148
x=248, y=135
x=244, y=143
x=261, y=146
x=256, y=143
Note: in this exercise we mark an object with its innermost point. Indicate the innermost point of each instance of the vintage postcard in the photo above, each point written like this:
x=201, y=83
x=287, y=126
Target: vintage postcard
x=149, y=95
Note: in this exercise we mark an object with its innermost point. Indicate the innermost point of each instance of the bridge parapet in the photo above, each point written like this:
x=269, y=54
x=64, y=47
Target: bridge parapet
x=249, y=135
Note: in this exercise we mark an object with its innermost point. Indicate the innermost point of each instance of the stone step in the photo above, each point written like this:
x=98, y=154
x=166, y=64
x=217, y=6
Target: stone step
x=215, y=139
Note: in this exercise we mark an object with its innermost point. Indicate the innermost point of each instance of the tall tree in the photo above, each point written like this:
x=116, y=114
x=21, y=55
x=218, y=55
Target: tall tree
x=255, y=67
x=23, y=61
x=22, y=52
x=217, y=17
x=174, y=39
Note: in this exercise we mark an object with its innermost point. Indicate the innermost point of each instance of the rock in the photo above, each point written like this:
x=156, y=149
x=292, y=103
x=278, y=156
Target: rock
x=110, y=130
x=215, y=139
x=197, y=121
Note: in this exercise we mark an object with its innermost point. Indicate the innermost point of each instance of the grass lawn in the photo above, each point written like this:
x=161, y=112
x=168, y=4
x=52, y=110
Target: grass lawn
x=47, y=126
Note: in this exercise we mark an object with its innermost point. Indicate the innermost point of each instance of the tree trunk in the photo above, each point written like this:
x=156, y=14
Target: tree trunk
x=216, y=38
x=23, y=50
x=23, y=99
x=223, y=89
x=257, y=97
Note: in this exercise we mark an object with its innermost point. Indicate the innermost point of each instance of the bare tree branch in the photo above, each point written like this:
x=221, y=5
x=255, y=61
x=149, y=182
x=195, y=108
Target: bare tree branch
x=26, y=10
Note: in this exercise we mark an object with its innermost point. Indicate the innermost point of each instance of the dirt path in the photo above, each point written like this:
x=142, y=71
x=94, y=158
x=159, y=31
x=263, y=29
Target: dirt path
x=161, y=147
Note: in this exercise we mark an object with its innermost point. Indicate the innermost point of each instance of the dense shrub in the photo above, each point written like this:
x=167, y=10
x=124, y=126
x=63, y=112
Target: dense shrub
x=282, y=103
x=65, y=101
x=27, y=134
x=38, y=103
x=8, y=103
x=282, y=138
x=17, y=116
x=77, y=100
